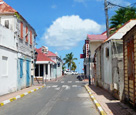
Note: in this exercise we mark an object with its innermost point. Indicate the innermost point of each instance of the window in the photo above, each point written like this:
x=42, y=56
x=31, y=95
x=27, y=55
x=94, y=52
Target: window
x=26, y=34
x=21, y=30
x=5, y=66
x=30, y=37
x=107, y=52
x=7, y=23
x=21, y=68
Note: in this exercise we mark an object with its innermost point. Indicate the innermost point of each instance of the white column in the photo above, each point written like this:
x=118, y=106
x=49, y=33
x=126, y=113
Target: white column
x=49, y=76
x=39, y=70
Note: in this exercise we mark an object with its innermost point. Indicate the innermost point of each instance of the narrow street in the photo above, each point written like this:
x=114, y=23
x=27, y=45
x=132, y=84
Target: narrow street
x=65, y=97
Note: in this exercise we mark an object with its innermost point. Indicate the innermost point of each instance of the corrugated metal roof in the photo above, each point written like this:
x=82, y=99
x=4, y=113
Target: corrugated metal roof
x=96, y=37
x=122, y=30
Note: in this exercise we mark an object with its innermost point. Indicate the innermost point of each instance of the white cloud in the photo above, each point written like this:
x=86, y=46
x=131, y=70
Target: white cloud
x=54, y=6
x=67, y=31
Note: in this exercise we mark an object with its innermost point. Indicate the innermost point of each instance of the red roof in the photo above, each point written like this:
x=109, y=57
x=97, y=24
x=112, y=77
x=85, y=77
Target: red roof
x=42, y=57
x=49, y=53
x=5, y=8
x=97, y=37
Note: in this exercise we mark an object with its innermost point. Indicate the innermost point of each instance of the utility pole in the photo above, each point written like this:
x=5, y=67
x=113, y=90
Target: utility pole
x=107, y=18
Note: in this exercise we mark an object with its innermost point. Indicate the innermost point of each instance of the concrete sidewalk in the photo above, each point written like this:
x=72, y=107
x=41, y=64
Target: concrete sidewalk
x=109, y=104
x=4, y=99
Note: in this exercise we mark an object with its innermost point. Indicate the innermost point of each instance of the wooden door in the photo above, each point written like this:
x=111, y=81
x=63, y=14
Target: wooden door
x=130, y=69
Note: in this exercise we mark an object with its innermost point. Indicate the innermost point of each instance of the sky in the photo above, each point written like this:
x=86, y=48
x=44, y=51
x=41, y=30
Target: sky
x=63, y=25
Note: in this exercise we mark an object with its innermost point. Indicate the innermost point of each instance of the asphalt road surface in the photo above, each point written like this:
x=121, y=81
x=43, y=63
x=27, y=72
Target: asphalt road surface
x=65, y=97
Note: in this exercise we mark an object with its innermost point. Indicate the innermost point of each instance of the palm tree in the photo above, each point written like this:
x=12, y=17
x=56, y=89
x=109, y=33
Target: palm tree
x=73, y=66
x=69, y=59
x=121, y=17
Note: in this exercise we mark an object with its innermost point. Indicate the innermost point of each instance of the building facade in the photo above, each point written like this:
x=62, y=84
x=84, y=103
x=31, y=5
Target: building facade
x=129, y=48
x=23, y=38
x=48, y=65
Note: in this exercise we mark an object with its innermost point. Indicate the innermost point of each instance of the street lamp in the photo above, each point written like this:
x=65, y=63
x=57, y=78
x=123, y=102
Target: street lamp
x=89, y=53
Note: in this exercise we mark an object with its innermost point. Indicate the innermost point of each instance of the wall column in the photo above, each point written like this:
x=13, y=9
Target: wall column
x=49, y=76
x=38, y=70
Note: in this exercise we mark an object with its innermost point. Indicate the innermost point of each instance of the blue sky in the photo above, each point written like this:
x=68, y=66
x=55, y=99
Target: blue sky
x=62, y=25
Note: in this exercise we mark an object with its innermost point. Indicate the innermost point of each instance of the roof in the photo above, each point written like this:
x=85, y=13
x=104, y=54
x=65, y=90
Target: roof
x=122, y=30
x=42, y=57
x=97, y=37
x=134, y=27
x=49, y=54
x=5, y=8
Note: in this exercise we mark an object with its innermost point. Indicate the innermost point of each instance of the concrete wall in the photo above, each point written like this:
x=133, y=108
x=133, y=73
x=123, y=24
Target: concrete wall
x=24, y=48
x=107, y=67
x=8, y=61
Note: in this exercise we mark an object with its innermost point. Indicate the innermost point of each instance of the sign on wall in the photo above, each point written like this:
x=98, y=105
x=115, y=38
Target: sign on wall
x=87, y=48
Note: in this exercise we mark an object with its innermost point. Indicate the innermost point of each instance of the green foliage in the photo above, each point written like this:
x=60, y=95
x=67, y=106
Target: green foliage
x=121, y=17
x=18, y=16
x=73, y=66
x=63, y=67
x=69, y=59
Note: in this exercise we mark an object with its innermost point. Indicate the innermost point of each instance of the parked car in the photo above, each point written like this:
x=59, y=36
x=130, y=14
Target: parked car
x=74, y=73
x=67, y=72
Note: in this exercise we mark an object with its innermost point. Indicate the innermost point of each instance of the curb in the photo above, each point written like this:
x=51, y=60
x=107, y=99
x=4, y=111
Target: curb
x=19, y=96
x=101, y=111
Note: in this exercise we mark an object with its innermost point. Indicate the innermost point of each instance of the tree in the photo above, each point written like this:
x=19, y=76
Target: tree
x=73, y=66
x=121, y=17
x=69, y=59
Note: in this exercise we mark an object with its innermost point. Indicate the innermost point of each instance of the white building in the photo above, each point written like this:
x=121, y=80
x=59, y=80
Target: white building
x=48, y=64
x=24, y=37
x=8, y=61
x=91, y=43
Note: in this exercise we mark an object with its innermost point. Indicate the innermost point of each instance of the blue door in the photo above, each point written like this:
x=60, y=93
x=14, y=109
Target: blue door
x=27, y=73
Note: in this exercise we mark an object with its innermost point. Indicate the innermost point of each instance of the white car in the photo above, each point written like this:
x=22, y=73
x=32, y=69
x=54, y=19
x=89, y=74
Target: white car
x=74, y=73
x=67, y=72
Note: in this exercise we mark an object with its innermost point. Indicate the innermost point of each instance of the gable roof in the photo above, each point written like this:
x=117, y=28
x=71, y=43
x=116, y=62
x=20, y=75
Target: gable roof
x=42, y=57
x=5, y=8
x=134, y=28
x=122, y=30
x=96, y=37
x=49, y=54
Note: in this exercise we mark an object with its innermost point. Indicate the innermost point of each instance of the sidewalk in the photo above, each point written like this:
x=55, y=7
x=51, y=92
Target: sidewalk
x=109, y=104
x=20, y=92
x=12, y=96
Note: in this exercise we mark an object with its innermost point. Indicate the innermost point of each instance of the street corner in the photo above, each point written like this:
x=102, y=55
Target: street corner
x=98, y=106
x=20, y=96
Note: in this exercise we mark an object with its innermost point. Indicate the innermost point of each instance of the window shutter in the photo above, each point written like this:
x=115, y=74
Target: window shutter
x=26, y=34
x=21, y=30
x=31, y=37
x=21, y=68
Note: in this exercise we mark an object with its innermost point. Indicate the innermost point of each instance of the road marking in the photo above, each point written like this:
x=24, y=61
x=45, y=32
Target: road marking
x=58, y=88
x=55, y=86
x=62, y=81
x=77, y=81
x=69, y=81
x=48, y=87
x=68, y=87
x=74, y=85
x=64, y=85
